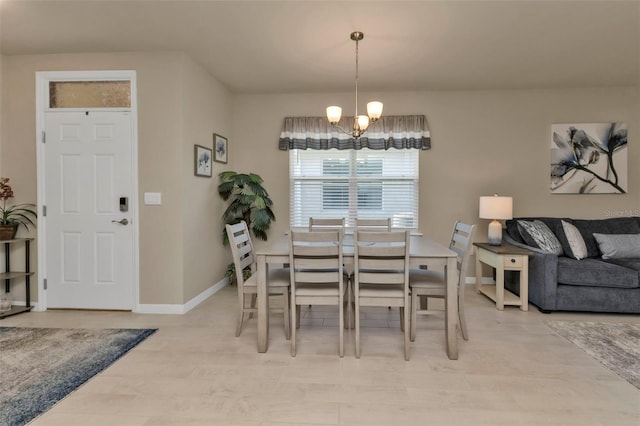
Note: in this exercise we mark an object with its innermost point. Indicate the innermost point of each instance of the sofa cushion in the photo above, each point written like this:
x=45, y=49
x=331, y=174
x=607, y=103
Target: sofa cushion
x=618, y=246
x=596, y=273
x=575, y=246
x=538, y=234
x=618, y=225
x=633, y=263
x=553, y=223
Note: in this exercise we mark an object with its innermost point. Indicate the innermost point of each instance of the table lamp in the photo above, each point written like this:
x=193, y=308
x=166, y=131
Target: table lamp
x=496, y=208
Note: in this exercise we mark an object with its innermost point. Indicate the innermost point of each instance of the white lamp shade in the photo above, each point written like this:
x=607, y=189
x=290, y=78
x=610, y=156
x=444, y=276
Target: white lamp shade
x=363, y=122
x=333, y=114
x=374, y=110
x=495, y=207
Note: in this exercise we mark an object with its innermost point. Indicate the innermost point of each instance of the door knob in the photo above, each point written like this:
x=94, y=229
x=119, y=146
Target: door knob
x=121, y=222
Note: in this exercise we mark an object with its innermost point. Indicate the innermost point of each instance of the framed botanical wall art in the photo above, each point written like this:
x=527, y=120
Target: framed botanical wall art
x=202, y=157
x=220, y=145
x=589, y=158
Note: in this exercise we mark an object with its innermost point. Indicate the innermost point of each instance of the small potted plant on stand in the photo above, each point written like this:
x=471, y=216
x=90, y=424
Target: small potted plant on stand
x=11, y=217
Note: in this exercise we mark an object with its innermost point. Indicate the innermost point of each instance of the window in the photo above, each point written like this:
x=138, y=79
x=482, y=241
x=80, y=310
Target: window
x=354, y=183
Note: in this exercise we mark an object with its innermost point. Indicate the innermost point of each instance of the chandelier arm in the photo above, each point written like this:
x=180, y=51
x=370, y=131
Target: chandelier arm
x=341, y=129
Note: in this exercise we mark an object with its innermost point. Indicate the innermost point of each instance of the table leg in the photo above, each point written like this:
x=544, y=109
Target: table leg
x=500, y=286
x=524, y=286
x=263, y=304
x=451, y=315
x=478, y=270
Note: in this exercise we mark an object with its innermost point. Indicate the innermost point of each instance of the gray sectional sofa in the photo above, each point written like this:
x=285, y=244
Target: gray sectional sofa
x=598, y=277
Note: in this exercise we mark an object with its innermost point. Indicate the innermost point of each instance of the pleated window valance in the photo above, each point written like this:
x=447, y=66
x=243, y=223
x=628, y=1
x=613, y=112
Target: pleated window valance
x=393, y=131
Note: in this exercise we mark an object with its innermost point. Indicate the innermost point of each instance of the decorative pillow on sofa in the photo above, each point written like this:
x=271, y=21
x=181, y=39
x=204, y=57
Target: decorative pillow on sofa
x=577, y=246
x=618, y=246
x=610, y=226
x=537, y=234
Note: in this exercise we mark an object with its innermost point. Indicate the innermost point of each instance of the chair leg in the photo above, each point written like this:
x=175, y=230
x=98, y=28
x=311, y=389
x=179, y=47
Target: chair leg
x=349, y=308
x=414, y=316
x=240, y=316
x=293, y=312
x=461, y=317
x=357, y=326
x=402, y=318
x=406, y=330
x=285, y=309
x=341, y=327
x=254, y=298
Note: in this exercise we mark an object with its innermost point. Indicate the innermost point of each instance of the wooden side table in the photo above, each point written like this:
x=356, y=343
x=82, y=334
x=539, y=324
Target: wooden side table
x=503, y=258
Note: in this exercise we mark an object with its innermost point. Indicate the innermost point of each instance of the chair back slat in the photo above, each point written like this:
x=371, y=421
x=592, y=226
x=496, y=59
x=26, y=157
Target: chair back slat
x=381, y=277
x=319, y=262
x=381, y=263
x=326, y=224
x=313, y=250
x=381, y=249
x=374, y=224
x=317, y=276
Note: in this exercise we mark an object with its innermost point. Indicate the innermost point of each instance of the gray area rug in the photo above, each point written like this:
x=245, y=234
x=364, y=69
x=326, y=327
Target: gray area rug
x=40, y=366
x=615, y=345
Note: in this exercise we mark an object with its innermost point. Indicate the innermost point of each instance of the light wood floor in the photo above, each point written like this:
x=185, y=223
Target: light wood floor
x=513, y=371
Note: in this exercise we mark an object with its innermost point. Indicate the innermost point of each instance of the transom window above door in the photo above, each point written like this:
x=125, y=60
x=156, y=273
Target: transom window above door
x=354, y=184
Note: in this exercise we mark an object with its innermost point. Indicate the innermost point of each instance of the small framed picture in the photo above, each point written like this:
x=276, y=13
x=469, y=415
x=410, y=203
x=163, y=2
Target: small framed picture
x=202, y=157
x=220, y=146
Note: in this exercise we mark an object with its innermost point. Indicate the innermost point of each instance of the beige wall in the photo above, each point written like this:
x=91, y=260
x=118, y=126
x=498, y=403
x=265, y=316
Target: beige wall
x=483, y=142
x=207, y=110
x=170, y=119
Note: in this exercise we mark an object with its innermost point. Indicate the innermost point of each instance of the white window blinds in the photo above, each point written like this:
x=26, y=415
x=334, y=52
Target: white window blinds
x=354, y=184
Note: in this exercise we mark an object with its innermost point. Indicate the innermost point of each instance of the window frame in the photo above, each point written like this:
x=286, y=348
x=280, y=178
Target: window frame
x=353, y=178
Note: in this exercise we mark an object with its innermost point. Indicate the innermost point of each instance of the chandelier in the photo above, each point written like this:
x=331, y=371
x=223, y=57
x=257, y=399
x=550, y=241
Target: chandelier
x=360, y=122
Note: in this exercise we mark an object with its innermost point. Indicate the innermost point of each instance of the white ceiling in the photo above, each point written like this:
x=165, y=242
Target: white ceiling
x=304, y=46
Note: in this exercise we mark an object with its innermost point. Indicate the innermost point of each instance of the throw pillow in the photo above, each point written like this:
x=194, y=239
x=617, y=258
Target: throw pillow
x=576, y=242
x=618, y=246
x=537, y=234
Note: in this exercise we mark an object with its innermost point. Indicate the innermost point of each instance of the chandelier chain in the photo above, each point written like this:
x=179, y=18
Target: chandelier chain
x=356, y=116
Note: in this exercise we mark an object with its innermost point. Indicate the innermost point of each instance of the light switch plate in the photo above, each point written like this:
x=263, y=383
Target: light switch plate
x=153, y=198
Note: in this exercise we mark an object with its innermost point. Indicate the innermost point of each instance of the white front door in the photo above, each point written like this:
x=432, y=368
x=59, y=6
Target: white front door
x=88, y=181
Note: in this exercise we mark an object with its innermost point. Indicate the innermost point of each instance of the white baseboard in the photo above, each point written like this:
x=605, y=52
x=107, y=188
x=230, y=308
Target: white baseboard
x=176, y=309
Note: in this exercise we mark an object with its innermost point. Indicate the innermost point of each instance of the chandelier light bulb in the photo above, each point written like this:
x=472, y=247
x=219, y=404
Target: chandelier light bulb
x=333, y=114
x=363, y=122
x=374, y=110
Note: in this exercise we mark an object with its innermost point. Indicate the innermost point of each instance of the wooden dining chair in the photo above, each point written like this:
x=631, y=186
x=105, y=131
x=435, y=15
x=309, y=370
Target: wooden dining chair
x=381, y=276
x=336, y=224
x=432, y=283
x=317, y=278
x=277, y=278
x=369, y=225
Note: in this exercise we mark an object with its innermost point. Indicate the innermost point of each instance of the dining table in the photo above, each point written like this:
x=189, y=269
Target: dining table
x=423, y=252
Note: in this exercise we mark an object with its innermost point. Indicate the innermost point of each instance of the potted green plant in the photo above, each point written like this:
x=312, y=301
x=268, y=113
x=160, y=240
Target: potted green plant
x=249, y=202
x=13, y=216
